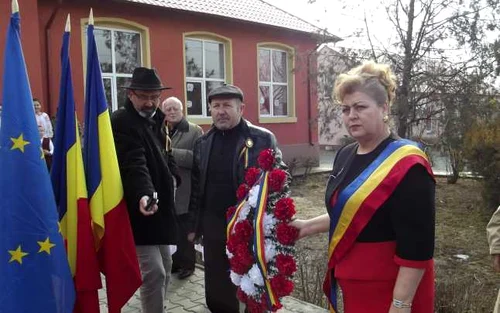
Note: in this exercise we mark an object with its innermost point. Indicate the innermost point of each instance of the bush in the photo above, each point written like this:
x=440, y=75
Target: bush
x=482, y=149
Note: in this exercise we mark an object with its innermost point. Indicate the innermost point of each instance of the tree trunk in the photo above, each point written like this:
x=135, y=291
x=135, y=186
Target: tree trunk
x=403, y=101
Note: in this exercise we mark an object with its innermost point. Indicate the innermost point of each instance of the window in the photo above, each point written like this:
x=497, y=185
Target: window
x=206, y=69
x=122, y=46
x=276, y=83
x=120, y=52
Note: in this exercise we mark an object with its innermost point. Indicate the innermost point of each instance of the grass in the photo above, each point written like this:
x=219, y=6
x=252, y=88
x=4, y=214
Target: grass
x=465, y=286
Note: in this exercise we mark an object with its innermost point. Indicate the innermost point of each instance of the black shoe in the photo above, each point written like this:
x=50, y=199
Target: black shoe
x=176, y=270
x=183, y=274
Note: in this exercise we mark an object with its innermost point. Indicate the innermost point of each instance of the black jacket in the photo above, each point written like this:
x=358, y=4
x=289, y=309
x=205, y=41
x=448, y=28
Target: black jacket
x=146, y=167
x=261, y=139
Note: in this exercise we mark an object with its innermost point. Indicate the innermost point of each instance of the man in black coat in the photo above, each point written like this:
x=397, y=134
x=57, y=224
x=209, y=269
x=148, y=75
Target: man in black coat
x=148, y=171
x=218, y=169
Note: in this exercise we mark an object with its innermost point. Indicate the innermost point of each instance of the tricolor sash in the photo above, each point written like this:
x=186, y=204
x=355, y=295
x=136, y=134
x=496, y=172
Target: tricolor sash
x=356, y=203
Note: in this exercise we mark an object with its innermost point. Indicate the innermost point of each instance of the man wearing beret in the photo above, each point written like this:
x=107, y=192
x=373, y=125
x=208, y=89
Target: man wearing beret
x=220, y=159
x=148, y=172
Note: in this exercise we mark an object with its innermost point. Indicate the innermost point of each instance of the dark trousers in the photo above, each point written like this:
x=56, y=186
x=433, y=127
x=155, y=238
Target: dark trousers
x=220, y=292
x=185, y=256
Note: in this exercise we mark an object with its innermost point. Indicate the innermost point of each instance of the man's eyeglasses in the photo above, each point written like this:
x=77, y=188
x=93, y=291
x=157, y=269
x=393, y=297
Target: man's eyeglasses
x=147, y=97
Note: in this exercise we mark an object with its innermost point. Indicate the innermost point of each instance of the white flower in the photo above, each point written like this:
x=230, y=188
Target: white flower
x=247, y=285
x=270, y=250
x=244, y=212
x=235, y=278
x=269, y=222
x=253, y=196
x=256, y=276
x=229, y=254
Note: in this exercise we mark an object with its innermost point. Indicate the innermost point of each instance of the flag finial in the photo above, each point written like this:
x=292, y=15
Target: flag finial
x=68, y=24
x=15, y=6
x=91, y=17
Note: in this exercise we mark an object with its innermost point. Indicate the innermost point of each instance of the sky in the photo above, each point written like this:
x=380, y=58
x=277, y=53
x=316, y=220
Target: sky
x=343, y=21
x=346, y=19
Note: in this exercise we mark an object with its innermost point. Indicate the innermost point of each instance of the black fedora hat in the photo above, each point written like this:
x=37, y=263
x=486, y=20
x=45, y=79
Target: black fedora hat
x=145, y=78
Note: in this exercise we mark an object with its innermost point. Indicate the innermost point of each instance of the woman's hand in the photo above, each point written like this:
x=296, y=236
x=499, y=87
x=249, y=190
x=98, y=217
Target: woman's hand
x=316, y=225
x=302, y=226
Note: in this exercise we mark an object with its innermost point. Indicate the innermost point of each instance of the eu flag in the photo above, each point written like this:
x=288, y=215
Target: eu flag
x=34, y=271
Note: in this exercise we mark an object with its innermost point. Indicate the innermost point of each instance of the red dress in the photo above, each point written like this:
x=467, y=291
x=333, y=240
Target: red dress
x=392, y=226
x=367, y=276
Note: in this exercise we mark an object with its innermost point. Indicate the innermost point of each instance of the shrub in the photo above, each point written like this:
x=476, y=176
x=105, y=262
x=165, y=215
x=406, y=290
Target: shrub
x=482, y=149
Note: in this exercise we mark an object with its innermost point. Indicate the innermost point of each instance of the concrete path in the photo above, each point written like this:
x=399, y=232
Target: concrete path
x=188, y=296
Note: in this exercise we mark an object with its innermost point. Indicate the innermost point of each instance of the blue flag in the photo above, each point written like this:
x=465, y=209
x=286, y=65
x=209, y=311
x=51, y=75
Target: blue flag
x=34, y=271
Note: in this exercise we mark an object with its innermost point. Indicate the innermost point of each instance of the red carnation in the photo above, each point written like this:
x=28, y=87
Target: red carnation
x=254, y=306
x=244, y=230
x=277, y=180
x=241, y=295
x=235, y=242
x=242, y=192
x=266, y=159
x=286, y=264
x=285, y=209
x=230, y=212
x=281, y=285
x=286, y=235
x=241, y=262
x=252, y=175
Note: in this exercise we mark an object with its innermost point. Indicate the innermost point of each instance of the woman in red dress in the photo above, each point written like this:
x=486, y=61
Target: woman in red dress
x=380, y=201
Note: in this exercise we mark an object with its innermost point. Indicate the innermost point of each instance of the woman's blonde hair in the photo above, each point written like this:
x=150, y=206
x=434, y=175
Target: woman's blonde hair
x=374, y=79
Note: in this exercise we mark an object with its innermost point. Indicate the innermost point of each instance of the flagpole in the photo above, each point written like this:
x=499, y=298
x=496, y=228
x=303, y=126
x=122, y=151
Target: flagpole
x=15, y=6
x=68, y=24
x=91, y=17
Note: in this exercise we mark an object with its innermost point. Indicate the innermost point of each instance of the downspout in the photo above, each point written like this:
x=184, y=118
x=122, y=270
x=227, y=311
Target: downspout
x=309, y=101
x=47, y=54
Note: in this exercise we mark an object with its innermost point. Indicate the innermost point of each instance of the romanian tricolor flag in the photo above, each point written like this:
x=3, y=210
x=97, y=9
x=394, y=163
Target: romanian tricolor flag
x=112, y=230
x=70, y=190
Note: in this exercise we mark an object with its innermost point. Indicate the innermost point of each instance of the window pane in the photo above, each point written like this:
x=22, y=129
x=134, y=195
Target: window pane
x=264, y=100
x=127, y=51
x=214, y=60
x=103, y=42
x=279, y=67
x=121, y=92
x=107, y=91
x=194, y=103
x=194, y=58
x=280, y=100
x=211, y=85
x=264, y=65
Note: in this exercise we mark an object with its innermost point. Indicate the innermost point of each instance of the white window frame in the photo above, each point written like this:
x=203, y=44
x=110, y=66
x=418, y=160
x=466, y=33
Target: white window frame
x=203, y=80
x=271, y=83
x=113, y=76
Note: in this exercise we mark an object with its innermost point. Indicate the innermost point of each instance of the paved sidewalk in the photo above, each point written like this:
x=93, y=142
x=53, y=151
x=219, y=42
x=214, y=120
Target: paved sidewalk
x=188, y=296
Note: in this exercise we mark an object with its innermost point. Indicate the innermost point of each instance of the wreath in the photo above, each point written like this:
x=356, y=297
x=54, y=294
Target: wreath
x=260, y=243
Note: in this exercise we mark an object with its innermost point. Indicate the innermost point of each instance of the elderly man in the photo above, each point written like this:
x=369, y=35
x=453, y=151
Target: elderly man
x=183, y=135
x=149, y=176
x=218, y=169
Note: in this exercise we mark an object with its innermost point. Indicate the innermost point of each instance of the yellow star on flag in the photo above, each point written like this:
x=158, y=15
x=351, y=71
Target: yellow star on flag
x=43, y=154
x=17, y=255
x=19, y=143
x=45, y=246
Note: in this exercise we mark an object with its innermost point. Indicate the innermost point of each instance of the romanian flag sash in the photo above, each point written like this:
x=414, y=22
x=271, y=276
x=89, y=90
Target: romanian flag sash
x=356, y=203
